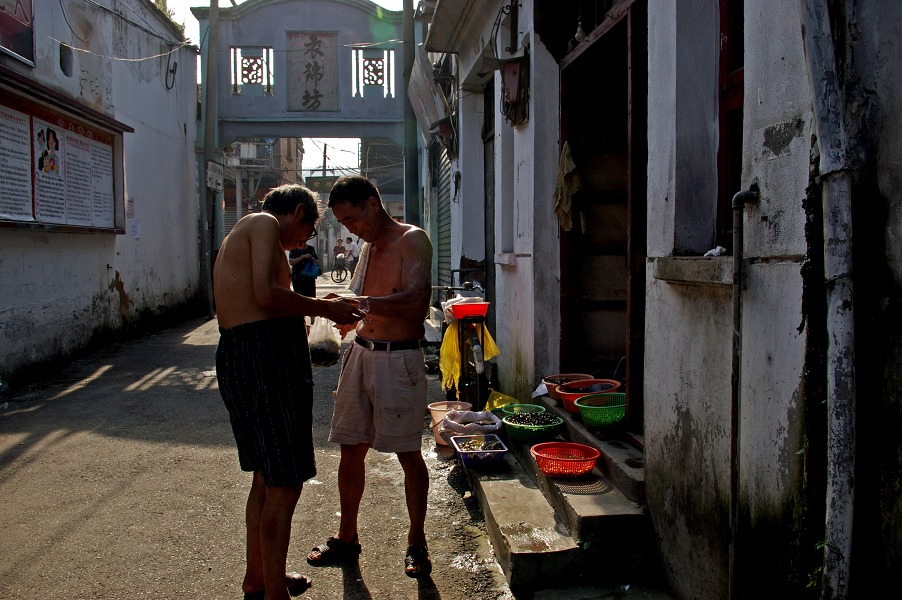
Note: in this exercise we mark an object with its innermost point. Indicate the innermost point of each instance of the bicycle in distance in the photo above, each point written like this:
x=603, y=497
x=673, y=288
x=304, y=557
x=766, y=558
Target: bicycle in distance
x=340, y=271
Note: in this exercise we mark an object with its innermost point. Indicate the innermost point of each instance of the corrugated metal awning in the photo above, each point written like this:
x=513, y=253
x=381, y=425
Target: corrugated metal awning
x=452, y=22
x=425, y=97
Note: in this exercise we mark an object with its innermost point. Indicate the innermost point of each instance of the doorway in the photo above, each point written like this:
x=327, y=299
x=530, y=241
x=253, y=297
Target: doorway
x=603, y=255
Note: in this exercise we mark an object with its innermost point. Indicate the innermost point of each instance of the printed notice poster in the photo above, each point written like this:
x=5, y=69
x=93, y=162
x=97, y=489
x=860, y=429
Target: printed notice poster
x=49, y=185
x=15, y=166
x=54, y=169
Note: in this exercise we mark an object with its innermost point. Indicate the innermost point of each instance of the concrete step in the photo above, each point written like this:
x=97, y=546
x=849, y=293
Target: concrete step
x=531, y=545
x=591, y=507
x=621, y=463
x=551, y=532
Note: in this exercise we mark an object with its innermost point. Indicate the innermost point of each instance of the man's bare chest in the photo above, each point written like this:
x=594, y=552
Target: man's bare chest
x=384, y=274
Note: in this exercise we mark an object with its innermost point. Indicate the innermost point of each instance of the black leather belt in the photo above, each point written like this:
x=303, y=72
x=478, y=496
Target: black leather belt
x=405, y=345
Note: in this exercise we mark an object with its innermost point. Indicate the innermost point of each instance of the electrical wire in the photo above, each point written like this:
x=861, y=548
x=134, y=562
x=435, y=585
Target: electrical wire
x=66, y=18
x=118, y=58
x=129, y=21
x=174, y=46
x=170, y=71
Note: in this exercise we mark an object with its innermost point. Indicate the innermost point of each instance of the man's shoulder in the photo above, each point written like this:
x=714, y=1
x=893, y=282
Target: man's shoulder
x=415, y=235
x=256, y=221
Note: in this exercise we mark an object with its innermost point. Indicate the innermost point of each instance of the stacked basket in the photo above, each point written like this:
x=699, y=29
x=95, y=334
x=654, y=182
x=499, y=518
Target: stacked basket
x=600, y=410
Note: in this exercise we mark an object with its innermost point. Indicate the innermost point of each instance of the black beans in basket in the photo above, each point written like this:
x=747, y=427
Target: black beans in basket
x=532, y=419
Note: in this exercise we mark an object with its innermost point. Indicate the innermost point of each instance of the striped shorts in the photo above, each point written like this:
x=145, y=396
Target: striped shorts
x=266, y=382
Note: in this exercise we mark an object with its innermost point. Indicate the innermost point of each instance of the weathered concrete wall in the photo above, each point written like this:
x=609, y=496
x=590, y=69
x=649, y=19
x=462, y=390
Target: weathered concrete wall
x=689, y=327
x=526, y=256
x=528, y=271
x=63, y=288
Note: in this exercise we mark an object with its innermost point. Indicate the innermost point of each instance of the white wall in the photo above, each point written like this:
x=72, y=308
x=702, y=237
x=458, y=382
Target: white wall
x=689, y=327
x=63, y=288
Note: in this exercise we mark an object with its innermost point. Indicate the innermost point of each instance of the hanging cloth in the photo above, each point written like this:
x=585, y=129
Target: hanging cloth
x=363, y=260
x=449, y=355
x=568, y=183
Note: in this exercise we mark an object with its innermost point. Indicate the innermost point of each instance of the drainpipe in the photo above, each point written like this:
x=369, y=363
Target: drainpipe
x=828, y=105
x=208, y=199
x=739, y=201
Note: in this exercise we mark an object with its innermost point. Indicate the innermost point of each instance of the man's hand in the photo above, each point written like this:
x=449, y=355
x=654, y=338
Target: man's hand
x=344, y=311
x=344, y=329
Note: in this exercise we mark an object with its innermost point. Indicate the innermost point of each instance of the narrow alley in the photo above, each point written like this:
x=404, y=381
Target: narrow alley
x=119, y=479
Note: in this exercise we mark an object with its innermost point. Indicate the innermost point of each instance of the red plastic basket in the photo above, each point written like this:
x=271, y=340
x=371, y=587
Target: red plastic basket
x=552, y=381
x=569, y=392
x=469, y=309
x=564, y=459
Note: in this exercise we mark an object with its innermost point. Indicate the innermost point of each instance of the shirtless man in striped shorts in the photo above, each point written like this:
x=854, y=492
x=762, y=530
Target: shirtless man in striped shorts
x=265, y=377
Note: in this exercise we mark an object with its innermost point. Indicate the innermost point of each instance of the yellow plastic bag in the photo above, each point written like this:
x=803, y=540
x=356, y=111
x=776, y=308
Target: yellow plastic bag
x=497, y=400
x=449, y=355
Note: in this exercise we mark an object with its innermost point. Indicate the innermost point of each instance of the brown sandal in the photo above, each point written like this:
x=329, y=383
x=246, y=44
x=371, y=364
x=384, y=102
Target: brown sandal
x=417, y=562
x=334, y=552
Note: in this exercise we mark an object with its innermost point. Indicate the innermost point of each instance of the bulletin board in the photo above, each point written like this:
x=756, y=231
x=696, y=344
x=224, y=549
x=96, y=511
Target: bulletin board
x=56, y=169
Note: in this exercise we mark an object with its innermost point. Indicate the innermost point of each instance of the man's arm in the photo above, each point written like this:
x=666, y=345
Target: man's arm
x=271, y=277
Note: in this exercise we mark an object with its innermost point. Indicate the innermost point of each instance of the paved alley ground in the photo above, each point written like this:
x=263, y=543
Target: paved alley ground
x=119, y=480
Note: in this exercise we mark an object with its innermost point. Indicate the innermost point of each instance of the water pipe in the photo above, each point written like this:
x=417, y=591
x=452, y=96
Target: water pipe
x=828, y=105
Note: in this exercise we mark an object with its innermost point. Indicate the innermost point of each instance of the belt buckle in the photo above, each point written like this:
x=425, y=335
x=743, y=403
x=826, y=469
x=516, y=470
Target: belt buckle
x=369, y=345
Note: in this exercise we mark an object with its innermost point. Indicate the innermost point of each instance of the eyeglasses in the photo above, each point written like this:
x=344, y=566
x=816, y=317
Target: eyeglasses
x=312, y=233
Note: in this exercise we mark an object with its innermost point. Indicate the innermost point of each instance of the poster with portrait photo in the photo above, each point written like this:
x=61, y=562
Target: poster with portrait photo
x=50, y=186
x=17, y=29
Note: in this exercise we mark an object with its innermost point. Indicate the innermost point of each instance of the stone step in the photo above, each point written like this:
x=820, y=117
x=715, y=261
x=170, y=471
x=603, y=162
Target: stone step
x=621, y=463
x=591, y=507
x=531, y=545
x=551, y=532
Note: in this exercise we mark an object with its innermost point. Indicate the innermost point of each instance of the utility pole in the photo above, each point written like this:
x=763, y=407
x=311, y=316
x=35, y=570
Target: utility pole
x=325, y=147
x=412, y=203
x=209, y=198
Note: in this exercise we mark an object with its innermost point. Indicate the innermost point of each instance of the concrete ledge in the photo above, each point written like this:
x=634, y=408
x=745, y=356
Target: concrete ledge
x=589, y=506
x=710, y=270
x=532, y=546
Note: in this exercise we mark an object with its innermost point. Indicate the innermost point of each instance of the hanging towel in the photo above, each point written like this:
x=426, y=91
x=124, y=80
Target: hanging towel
x=449, y=355
x=568, y=183
x=357, y=279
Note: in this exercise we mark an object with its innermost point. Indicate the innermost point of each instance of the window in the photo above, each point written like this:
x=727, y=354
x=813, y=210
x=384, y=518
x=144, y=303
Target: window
x=373, y=67
x=252, y=71
x=729, y=153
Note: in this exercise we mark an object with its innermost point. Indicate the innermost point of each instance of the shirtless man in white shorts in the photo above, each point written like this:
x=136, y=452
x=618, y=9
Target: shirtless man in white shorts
x=381, y=398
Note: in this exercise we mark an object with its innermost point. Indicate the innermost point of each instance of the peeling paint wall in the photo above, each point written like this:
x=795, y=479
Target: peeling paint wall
x=63, y=289
x=527, y=259
x=688, y=329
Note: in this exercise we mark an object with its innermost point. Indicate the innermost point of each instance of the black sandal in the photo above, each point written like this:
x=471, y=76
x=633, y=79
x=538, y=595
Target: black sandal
x=334, y=552
x=297, y=584
x=417, y=562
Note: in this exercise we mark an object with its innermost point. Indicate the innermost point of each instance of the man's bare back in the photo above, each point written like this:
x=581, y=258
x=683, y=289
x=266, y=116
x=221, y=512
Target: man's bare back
x=233, y=275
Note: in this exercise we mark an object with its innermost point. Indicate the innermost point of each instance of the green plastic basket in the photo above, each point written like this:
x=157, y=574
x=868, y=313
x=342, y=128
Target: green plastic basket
x=599, y=410
x=531, y=433
x=515, y=408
